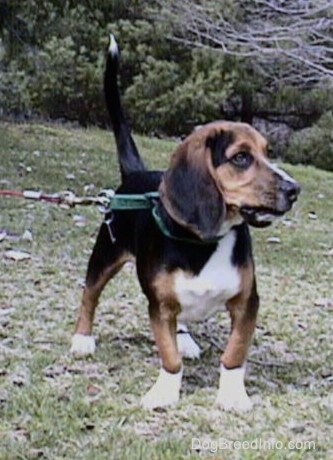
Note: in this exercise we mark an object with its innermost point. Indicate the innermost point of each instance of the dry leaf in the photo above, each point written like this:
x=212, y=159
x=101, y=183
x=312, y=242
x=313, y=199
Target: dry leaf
x=273, y=239
x=55, y=370
x=18, y=380
x=27, y=236
x=89, y=188
x=289, y=223
x=80, y=221
x=93, y=390
x=17, y=255
x=6, y=310
x=324, y=302
x=70, y=177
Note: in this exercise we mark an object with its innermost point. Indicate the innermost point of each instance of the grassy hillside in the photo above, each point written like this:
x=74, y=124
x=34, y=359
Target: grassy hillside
x=55, y=407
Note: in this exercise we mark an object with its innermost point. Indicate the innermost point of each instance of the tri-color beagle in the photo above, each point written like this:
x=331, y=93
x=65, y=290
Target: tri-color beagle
x=219, y=181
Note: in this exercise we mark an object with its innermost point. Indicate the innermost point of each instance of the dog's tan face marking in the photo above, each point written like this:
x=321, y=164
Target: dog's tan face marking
x=222, y=170
x=245, y=177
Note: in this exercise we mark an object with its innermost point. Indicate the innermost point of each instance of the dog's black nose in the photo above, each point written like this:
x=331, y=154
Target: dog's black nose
x=291, y=189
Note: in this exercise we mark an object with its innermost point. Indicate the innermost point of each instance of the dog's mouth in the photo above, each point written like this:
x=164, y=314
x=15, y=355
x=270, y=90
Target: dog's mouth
x=263, y=216
x=260, y=217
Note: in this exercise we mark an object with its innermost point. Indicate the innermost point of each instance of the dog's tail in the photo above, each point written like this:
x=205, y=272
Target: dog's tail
x=128, y=155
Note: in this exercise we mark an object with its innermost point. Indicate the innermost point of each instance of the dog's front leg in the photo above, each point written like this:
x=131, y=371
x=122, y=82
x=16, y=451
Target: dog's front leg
x=232, y=394
x=166, y=389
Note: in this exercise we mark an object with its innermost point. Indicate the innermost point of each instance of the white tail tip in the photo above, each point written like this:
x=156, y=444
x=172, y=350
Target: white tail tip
x=113, y=48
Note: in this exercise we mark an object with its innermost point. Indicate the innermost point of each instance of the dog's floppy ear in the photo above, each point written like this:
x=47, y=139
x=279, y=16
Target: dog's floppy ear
x=189, y=191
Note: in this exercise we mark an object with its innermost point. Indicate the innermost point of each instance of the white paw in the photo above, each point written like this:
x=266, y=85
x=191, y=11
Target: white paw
x=83, y=345
x=187, y=347
x=165, y=391
x=232, y=393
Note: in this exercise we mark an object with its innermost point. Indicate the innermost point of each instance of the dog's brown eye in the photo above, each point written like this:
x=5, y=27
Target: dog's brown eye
x=242, y=160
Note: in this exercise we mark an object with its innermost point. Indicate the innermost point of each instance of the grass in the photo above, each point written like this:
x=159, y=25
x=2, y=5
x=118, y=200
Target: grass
x=55, y=407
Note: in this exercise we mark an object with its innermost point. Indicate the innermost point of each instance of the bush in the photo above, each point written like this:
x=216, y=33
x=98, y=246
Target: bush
x=52, y=58
x=14, y=92
x=66, y=81
x=314, y=145
x=164, y=98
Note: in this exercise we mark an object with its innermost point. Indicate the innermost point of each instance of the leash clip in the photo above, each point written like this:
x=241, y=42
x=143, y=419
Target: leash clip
x=108, y=222
x=105, y=200
x=105, y=207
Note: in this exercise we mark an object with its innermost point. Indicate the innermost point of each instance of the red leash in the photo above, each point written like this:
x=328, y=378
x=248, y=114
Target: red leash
x=66, y=198
x=33, y=195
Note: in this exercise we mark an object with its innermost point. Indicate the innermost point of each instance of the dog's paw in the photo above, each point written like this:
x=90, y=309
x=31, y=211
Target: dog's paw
x=232, y=393
x=83, y=345
x=234, y=402
x=187, y=347
x=165, y=391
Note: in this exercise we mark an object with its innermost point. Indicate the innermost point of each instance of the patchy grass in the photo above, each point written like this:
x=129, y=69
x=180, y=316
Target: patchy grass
x=55, y=407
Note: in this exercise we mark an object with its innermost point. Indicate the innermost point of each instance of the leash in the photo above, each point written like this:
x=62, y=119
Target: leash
x=65, y=198
x=108, y=201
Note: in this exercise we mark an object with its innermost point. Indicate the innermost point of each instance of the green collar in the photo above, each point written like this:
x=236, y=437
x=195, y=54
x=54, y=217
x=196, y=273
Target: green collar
x=126, y=202
x=164, y=229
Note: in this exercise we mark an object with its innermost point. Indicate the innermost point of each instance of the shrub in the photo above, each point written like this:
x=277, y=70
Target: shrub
x=14, y=91
x=314, y=145
x=66, y=82
x=165, y=98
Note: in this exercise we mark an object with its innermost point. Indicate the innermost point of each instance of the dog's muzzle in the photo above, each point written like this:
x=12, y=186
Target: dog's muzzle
x=286, y=195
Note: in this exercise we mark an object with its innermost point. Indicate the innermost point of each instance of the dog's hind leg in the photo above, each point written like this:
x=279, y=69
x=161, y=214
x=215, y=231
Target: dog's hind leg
x=187, y=346
x=106, y=260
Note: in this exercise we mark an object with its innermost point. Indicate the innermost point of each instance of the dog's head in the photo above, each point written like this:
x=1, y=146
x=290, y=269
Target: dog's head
x=221, y=174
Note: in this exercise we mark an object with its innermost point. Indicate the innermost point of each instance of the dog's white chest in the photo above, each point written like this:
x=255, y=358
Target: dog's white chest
x=203, y=295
